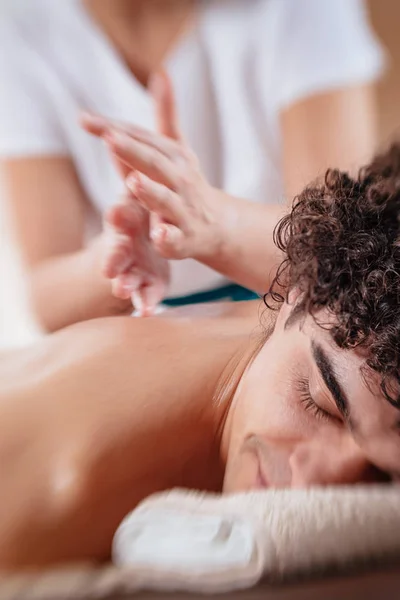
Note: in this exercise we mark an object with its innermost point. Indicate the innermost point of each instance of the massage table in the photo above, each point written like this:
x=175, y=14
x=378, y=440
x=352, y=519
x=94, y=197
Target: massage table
x=277, y=544
x=376, y=583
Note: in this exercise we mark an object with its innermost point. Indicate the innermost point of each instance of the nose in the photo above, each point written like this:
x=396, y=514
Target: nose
x=332, y=458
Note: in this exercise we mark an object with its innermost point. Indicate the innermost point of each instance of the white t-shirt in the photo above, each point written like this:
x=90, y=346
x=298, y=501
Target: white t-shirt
x=233, y=72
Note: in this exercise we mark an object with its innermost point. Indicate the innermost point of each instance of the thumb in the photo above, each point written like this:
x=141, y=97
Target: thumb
x=163, y=95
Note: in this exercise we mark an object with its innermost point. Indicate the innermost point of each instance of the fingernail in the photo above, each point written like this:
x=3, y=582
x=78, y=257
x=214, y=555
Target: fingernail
x=157, y=233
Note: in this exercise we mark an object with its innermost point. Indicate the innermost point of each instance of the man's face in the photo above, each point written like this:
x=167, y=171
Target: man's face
x=303, y=415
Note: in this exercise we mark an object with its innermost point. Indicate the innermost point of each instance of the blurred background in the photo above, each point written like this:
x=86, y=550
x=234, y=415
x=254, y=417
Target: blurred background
x=17, y=326
x=385, y=18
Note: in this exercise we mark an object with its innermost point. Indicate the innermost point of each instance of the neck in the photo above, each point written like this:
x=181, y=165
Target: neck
x=142, y=31
x=132, y=9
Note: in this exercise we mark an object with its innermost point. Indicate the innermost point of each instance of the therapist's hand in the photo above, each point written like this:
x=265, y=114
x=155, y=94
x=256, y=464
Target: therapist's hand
x=165, y=178
x=128, y=258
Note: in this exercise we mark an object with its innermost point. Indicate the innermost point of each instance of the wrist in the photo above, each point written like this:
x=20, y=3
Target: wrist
x=218, y=227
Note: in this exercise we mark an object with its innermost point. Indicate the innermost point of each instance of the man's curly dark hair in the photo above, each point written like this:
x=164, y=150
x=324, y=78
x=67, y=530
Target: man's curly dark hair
x=342, y=247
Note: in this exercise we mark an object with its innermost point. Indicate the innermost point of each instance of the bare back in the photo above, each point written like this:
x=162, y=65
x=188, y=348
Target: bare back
x=98, y=416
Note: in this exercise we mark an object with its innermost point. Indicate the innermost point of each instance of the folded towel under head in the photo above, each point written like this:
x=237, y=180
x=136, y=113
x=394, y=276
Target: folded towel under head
x=184, y=540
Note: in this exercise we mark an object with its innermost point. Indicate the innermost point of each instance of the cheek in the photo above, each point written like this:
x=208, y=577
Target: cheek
x=271, y=401
x=268, y=402
x=273, y=411
x=241, y=473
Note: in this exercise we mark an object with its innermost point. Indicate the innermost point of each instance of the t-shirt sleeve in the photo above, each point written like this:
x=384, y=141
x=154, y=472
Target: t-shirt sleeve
x=29, y=122
x=317, y=46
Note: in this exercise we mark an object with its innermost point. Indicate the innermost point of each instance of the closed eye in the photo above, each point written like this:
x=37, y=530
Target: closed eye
x=309, y=404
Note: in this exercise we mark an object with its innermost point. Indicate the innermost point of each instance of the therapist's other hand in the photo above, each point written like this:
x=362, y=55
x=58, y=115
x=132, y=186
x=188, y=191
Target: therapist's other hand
x=166, y=179
x=129, y=259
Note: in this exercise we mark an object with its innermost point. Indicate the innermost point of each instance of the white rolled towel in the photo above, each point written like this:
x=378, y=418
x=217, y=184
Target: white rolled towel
x=183, y=540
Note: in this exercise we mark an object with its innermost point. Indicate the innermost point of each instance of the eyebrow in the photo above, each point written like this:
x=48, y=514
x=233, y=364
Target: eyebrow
x=327, y=372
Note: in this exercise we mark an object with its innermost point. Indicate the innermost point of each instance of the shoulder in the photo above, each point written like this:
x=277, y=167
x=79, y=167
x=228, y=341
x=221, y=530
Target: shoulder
x=214, y=310
x=302, y=10
x=278, y=31
x=311, y=47
x=267, y=13
x=25, y=41
x=36, y=31
x=175, y=328
x=22, y=25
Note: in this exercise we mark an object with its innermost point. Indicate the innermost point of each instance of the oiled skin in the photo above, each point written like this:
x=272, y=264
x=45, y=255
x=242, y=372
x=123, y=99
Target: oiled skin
x=100, y=415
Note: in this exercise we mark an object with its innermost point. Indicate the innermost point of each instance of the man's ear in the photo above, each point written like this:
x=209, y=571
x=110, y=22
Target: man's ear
x=287, y=312
x=293, y=296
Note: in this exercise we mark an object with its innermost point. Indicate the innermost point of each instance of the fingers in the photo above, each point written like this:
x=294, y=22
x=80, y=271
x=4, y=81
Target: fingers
x=166, y=215
x=130, y=260
x=155, y=197
x=123, y=287
x=160, y=213
x=167, y=121
x=119, y=256
x=124, y=222
x=127, y=216
x=93, y=123
x=144, y=158
x=145, y=293
x=169, y=241
x=121, y=167
x=101, y=126
x=161, y=89
x=129, y=275
x=154, y=221
x=147, y=297
x=132, y=276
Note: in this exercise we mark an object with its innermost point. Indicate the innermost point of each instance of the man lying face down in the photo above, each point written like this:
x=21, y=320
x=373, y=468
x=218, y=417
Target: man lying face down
x=100, y=415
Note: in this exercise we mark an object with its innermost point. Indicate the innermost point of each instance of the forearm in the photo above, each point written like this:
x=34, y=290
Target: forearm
x=70, y=288
x=334, y=129
x=244, y=250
